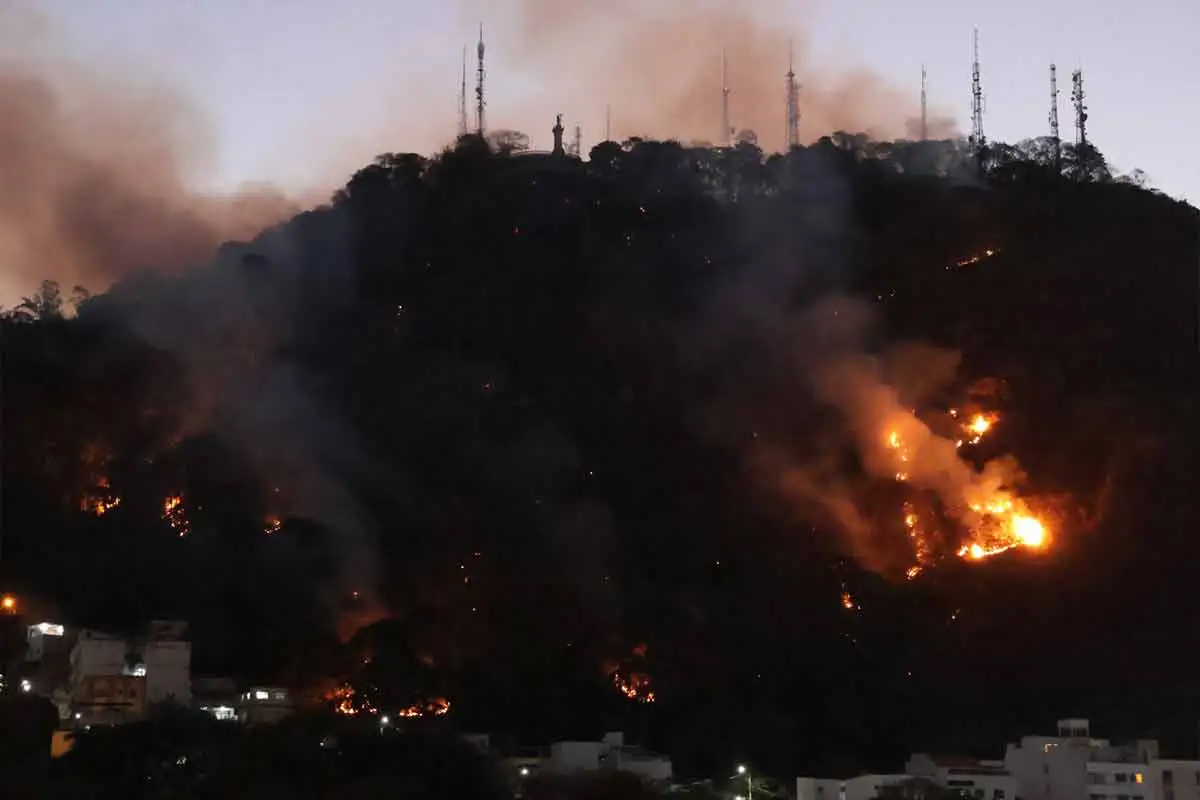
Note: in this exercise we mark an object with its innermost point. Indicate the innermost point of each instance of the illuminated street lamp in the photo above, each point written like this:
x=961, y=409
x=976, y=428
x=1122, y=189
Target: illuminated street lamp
x=8, y=604
x=742, y=770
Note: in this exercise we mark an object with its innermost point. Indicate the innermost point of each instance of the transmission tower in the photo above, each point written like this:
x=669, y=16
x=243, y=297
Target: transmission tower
x=792, y=136
x=1081, y=115
x=1054, y=137
x=978, y=142
x=577, y=144
x=480, y=125
x=462, y=98
x=608, y=123
x=924, y=108
x=727, y=130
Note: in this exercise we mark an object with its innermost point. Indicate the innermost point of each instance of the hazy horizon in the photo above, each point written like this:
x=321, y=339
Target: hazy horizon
x=298, y=95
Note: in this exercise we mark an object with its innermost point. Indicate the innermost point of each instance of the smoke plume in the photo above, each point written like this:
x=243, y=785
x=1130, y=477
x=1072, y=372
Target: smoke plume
x=659, y=66
x=97, y=165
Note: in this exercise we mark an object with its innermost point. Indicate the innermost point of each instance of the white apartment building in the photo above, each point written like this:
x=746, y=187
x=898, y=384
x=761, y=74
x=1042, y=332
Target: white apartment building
x=862, y=787
x=1075, y=766
x=163, y=657
x=611, y=753
x=1174, y=779
x=975, y=779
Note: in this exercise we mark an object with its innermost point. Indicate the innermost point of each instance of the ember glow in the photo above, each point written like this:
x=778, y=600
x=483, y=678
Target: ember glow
x=848, y=601
x=437, y=707
x=101, y=500
x=173, y=514
x=974, y=258
x=994, y=518
x=272, y=525
x=630, y=677
x=346, y=700
x=634, y=685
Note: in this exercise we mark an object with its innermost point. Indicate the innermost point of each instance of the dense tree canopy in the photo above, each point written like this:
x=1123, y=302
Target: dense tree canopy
x=509, y=401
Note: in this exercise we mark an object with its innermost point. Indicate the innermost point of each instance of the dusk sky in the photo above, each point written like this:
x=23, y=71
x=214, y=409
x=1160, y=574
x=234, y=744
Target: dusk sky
x=302, y=90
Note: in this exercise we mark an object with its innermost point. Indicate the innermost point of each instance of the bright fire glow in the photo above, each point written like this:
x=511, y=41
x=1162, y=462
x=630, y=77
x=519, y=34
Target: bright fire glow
x=997, y=521
x=272, y=525
x=630, y=681
x=437, y=707
x=100, y=501
x=847, y=601
x=974, y=259
x=8, y=603
x=173, y=514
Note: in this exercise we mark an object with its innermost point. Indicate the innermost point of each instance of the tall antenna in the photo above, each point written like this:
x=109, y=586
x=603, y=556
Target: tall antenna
x=726, y=130
x=1081, y=115
x=978, y=142
x=792, y=136
x=577, y=145
x=462, y=98
x=479, y=104
x=924, y=107
x=1054, y=137
x=608, y=123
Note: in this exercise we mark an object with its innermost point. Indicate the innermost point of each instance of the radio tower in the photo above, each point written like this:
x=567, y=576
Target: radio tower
x=793, y=105
x=924, y=108
x=1054, y=137
x=577, y=145
x=608, y=123
x=479, y=73
x=1081, y=115
x=726, y=131
x=462, y=99
x=978, y=142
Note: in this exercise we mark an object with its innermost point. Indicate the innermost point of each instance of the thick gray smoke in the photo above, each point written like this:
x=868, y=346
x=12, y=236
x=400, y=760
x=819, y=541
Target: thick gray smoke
x=97, y=164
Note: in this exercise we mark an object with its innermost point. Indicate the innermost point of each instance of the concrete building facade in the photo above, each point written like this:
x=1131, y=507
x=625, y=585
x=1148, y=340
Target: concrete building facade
x=1075, y=766
x=610, y=753
x=861, y=787
x=973, y=778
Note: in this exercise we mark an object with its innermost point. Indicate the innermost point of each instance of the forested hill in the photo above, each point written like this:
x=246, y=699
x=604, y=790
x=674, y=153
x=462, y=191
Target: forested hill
x=513, y=401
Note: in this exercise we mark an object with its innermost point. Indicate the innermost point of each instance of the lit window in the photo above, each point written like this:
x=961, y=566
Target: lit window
x=1138, y=777
x=260, y=695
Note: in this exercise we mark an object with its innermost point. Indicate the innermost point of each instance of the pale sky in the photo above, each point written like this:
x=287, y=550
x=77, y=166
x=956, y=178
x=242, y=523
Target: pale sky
x=283, y=80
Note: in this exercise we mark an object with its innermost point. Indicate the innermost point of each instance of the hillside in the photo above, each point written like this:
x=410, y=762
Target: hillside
x=551, y=415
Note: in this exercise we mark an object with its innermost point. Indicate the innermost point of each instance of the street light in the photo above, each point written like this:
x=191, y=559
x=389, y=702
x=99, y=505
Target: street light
x=8, y=604
x=742, y=770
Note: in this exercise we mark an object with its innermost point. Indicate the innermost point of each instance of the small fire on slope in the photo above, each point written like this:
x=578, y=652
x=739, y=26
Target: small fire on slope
x=974, y=258
x=629, y=680
x=175, y=516
x=100, y=500
x=437, y=707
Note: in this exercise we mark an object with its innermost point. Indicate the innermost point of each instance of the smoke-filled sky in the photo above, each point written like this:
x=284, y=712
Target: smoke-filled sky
x=299, y=93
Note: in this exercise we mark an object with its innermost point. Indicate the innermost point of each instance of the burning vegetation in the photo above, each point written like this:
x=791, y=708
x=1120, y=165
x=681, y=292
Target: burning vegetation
x=175, y=515
x=630, y=677
x=993, y=517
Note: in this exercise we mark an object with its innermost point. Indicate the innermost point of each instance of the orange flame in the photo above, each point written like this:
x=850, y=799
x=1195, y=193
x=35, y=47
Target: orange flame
x=173, y=514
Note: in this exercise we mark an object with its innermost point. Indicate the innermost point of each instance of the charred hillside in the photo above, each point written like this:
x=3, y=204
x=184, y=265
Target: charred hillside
x=568, y=424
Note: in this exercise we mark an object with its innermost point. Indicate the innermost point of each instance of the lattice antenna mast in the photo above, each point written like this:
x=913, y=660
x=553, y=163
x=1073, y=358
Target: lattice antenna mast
x=1055, y=139
x=1081, y=115
x=462, y=98
x=924, y=108
x=577, y=145
x=608, y=123
x=480, y=122
x=726, y=129
x=978, y=142
x=793, y=105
